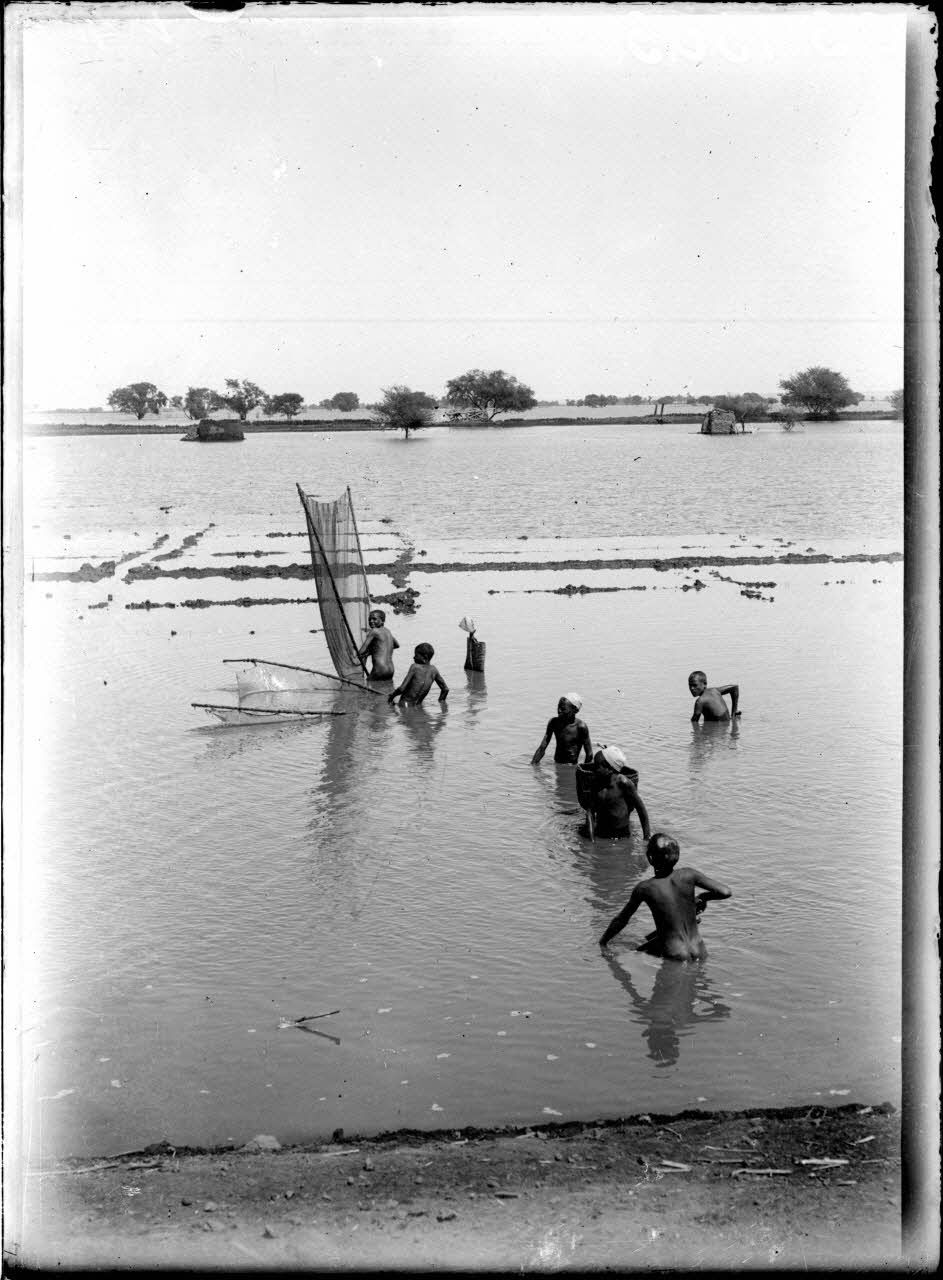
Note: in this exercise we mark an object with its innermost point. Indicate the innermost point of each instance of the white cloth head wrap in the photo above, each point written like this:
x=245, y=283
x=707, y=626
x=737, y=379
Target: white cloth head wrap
x=613, y=757
x=574, y=700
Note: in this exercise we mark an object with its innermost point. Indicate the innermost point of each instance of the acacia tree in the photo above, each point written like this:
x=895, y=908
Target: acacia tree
x=819, y=390
x=198, y=403
x=289, y=403
x=748, y=407
x=489, y=393
x=137, y=398
x=402, y=409
x=242, y=397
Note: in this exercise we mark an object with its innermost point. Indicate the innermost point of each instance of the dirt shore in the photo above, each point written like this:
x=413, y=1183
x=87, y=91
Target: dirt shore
x=810, y=1187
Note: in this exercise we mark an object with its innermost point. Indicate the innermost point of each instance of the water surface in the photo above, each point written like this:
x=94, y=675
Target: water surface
x=190, y=889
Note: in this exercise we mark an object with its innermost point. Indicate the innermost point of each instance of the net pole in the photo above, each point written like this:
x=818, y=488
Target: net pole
x=289, y=666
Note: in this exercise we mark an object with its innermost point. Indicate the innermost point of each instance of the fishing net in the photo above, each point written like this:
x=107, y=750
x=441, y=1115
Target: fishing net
x=254, y=676
x=340, y=579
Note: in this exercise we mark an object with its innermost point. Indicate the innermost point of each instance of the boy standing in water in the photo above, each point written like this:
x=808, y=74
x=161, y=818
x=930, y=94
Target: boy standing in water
x=669, y=895
x=709, y=703
x=379, y=644
x=572, y=735
x=608, y=791
x=419, y=679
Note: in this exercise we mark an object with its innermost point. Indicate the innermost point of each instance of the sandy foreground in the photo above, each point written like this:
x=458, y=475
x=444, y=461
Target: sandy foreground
x=807, y=1188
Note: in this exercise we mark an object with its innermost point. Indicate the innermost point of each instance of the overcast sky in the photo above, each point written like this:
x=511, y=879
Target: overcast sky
x=595, y=198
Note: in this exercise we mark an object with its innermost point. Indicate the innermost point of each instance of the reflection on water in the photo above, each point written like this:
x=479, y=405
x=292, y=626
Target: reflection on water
x=477, y=696
x=711, y=736
x=682, y=998
x=313, y=1031
x=422, y=725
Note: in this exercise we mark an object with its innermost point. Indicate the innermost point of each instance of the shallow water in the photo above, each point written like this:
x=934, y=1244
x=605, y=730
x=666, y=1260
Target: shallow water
x=190, y=889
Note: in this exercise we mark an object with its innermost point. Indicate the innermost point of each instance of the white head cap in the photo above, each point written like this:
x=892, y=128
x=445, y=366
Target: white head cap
x=574, y=700
x=613, y=757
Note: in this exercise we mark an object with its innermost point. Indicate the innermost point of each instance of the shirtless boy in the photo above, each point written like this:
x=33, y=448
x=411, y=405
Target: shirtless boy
x=571, y=733
x=611, y=794
x=419, y=679
x=669, y=895
x=379, y=645
x=709, y=703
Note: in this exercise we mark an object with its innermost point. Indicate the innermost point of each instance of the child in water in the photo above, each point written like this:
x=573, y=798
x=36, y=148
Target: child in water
x=379, y=644
x=419, y=679
x=571, y=734
x=669, y=895
x=709, y=703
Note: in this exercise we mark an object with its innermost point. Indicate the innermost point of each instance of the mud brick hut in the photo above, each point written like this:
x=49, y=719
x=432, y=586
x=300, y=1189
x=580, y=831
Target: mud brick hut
x=209, y=431
x=719, y=422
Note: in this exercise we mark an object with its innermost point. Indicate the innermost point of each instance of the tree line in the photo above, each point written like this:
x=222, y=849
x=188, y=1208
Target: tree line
x=476, y=394
x=480, y=395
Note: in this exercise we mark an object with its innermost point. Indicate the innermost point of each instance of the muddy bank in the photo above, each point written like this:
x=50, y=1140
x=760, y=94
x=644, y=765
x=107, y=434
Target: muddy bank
x=801, y=1187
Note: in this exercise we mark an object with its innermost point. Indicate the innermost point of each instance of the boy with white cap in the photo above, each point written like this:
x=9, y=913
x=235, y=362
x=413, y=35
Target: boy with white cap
x=609, y=793
x=571, y=733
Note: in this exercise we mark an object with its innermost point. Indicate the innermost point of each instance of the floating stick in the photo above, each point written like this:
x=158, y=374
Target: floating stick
x=310, y=1017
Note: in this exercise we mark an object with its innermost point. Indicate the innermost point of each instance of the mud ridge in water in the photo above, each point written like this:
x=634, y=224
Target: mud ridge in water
x=87, y=573
x=737, y=582
x=190, y=540
x=568, y=590
x=244, y=602
x=662, y=565
x=405, y=601
x=399, y=569
x=398, y=572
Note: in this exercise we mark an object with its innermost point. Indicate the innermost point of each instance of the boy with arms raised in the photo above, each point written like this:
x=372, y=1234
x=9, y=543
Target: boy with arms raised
x=571, y=733
x=709, y=702
x=669, y=895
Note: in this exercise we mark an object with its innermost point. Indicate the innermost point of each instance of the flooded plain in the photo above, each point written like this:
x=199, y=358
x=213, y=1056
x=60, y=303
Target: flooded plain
x=188, y=890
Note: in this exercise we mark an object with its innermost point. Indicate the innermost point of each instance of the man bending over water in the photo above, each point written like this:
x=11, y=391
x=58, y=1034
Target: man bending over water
x=669, y=895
